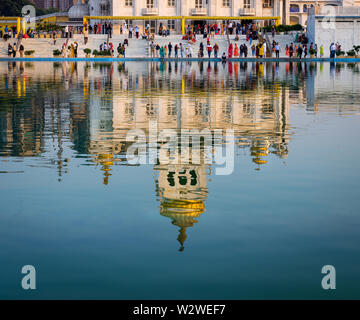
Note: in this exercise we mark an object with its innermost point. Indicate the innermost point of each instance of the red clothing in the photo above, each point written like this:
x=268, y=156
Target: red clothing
x=230, y=52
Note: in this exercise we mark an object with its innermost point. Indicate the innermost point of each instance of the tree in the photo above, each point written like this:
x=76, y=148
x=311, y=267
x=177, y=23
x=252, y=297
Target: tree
x=12, y=8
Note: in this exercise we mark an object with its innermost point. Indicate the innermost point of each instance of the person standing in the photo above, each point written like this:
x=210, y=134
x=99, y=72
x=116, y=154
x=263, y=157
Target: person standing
x=86, y=34
x=201, y=50
x=299, y=51
x=305, y=50
x=253, y=49
x=130, y=32
x=236, y=51
x=137, y=32
x=216, y=50
x=291, y=50
x=170, y=49
x=152, y=49
x=332, y=50
x=10, y=49
x=181, y=50
x=230, y=50
x=14, y=50
x=54, y=37
x=209, y=49
x=123, y=51
x=157, y=49
x=245, y=49
x=277, y=50
x=21, y=51
x=264, y=49
x=176, y=49
x=261, y=50
x=162, y=52
x=321, y=51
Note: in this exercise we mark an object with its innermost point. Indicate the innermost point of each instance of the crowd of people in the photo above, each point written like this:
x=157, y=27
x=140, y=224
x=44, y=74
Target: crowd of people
x=203, y=33
x=12, y=50
x=70, y=51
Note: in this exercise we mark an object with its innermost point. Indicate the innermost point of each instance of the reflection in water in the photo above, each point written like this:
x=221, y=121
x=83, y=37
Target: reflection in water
x=59, y=111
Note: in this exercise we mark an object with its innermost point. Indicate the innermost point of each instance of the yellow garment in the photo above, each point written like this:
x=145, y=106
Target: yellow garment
x=72, y=51
x=261, y=50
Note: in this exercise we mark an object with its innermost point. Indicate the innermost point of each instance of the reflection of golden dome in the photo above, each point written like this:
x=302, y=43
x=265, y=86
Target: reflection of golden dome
x=106, y=160
x=258, y=154
x=258, y=150
x=183, y=214
x=259, y=161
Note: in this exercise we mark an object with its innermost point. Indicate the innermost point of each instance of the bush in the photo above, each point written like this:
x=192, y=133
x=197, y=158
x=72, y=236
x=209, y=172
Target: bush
x=102, y=53
x=29, y=52
x=351, y=53
x=312, y=51
x=48, y=27
x=57, y=52
x=87, y=51
x=356, y=49
x=340, y=53
x=284, y=28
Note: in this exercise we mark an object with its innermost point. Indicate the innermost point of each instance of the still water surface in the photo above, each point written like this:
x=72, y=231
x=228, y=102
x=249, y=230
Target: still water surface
x=96, y=226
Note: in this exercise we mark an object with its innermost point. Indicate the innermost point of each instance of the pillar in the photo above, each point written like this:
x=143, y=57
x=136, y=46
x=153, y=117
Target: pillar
x=18, y=26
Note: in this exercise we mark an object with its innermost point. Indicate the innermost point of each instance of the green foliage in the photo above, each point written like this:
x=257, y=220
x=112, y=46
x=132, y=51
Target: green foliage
x=87, y=51
x=284, y=28
x=312, y=51
x=57, y=52
x=101, y=53
x=356, y=49
x=340, y=53
x=12, y=8
x=47, y=27
x=351, y=53
x=29, y=52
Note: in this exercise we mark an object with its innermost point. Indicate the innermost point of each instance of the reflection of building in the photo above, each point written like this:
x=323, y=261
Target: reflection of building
x=182, y=192
x=259, y=117
x=94, y=111
x=22, y=125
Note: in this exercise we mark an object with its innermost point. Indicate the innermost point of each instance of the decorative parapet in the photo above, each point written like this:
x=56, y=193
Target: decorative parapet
x=199, y=11
x=150, y=11
x=246, y=11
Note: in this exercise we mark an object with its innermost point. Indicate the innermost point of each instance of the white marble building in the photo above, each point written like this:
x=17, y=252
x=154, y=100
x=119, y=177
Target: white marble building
x=195, y=8
x=299, y=9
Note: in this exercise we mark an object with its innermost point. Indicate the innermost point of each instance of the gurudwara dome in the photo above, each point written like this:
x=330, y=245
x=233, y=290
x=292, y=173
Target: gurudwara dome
x=77, y=11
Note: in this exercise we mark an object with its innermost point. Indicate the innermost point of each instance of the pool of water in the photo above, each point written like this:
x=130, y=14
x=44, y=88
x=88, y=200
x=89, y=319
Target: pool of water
x=96, y=224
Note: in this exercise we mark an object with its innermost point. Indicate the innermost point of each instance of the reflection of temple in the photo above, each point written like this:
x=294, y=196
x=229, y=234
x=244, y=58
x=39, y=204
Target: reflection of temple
x=259, y=117
x=182, y=191
x=96, y=113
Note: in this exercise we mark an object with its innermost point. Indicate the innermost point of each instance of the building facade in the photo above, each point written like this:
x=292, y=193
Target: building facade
x=299, y=9
x=62, y=5
x=189, y=8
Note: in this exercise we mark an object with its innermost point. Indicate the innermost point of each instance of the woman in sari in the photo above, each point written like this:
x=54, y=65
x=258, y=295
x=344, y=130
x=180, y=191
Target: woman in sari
x=236, y=51
x=230, y=51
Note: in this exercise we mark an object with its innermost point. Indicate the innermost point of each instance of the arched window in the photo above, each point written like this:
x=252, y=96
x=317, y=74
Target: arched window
x=294, y=8
x=305, y=8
